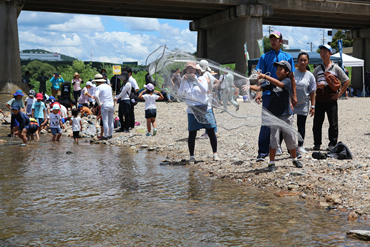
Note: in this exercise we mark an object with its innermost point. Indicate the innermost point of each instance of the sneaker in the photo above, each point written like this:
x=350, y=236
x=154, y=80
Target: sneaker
x=110, y=137
x=103, y=138
x=271, y=167
x=278, y=152
x=204, y=136
x=148, y=134
x=154, y=131
x=137, y=123
x=316, y=147
x=330, y=147
x=301, y=150
x=297, y=163
x=260, y=157
x=192, y=160
x=216, y=158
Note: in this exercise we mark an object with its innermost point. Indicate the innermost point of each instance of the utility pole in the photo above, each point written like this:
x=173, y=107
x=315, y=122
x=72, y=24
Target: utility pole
x=323, y=37
x=270, y=30
x=310, y=45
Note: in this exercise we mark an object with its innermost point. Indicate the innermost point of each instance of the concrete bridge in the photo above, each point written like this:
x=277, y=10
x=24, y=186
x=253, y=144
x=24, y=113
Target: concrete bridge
x=223, y=26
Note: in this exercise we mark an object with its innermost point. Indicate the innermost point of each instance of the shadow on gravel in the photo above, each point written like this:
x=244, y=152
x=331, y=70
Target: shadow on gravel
x=182, y=140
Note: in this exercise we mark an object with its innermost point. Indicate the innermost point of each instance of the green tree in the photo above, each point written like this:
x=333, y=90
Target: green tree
x=267, y=45
x=347, y=42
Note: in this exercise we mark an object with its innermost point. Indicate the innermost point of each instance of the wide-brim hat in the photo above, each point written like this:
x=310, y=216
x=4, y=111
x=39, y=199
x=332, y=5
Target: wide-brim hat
x=191, y=65
x=18, y=92
x=203, y=66
x=99, y=78
x=76, y=74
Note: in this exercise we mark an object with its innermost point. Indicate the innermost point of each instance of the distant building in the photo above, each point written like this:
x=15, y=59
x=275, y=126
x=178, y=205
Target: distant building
x=40, y=55
x=286, y=44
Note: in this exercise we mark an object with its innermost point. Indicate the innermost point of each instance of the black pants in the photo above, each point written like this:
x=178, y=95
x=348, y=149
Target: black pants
x=301, y=124
x=124, y=114
x=42, y=88
x=212, y=137
x=132, y=117
x=331, y=110
x=76, y=95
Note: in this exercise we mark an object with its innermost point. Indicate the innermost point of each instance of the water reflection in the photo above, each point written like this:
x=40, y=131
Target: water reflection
x=108, y=196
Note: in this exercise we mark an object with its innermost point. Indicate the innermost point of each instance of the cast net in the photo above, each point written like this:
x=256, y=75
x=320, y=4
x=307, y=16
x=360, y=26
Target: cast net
x=232, y=109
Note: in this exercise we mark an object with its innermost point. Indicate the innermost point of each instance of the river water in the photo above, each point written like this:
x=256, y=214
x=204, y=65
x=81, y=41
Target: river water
x=109, y=196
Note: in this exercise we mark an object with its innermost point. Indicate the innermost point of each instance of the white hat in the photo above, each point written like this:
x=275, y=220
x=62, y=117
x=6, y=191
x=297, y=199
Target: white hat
x=88, y=83
x=203, y=66
x=99, y=78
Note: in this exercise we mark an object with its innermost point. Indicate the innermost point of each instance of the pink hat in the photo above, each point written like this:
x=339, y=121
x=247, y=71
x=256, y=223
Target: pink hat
x=149, y=86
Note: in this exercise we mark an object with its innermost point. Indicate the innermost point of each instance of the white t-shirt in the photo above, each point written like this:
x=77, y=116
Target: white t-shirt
x=133, y=82
x=76, y=124
x=103, y=96
x=150, y=101
x=63, y=111
x=92, y=91
x=54, y=120
x=83, y=98
x=29, y=105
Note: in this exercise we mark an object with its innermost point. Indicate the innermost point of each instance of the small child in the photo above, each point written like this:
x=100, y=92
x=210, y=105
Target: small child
x=16, y=99
x=150, y=107
x=56, y=123
x=32, y=128
x=76, y=123
x=29, y=101
x=21, y=121
x=39, y=111
x=280, y=106
x=85, y=111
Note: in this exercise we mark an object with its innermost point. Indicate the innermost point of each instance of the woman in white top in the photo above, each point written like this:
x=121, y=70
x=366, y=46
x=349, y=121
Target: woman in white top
x=305, y=87
x=104, y=98
x=194, y=90
x=76, y=82
x=124, y=109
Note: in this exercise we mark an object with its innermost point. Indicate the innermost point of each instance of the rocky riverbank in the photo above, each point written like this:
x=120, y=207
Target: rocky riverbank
x=330, y=183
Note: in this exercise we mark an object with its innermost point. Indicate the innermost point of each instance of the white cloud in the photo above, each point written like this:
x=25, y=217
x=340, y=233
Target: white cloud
x=140, y=24
x=79, y=23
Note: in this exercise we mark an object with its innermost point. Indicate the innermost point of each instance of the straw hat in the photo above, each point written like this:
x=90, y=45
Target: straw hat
x=76, y=74
x=203, y=66
x=99, y=78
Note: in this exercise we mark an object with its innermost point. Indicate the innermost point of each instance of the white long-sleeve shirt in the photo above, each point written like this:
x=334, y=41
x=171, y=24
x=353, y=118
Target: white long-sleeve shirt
x=194, y=91
x=92, y=92
x=103, y=95
x=125, y=91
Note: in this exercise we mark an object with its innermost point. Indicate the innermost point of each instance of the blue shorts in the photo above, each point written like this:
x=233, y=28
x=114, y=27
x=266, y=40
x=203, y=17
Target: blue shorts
x=56, y=131
x=39, y=121
x=151, y=113
x=31, y=128
x=209, y=121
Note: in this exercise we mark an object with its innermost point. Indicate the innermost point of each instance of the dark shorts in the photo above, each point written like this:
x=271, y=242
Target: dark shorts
x=56, y=131
x=76, y=134
x=31, y=128
x=39, y=121
x=151, y=113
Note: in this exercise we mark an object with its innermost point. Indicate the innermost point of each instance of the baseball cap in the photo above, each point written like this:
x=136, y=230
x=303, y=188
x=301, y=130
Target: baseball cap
x=32, y=93
x=88, y=83
x=51, y=98
x=56, y=107
x=284, y=64
x=328, y=47
x=16, y=106
x=149, y=86
x=56, y=74
x=276, y=34
x=39, y=96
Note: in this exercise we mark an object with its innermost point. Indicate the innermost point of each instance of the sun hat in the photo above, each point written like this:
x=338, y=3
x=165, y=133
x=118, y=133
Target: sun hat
x=18, y=92
x=99, y=78
x=328, y=47
x=276, y=34
x=191, y=65
x=123, y=76
x=203, y=66
x=56, y=107
x=88, y=83
x=149, y=86
x=39, y=96
x=16, y=106
x=32, y=93
x=76, y=74
x=283, y=63
x=51, y=98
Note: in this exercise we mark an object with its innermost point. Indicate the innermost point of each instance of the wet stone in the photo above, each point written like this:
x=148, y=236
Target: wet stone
x=69, y=152
x=359, y=234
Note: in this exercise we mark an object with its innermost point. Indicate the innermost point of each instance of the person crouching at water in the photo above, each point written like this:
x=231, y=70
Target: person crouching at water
x=194, y=90
x=21, y=120
x=150, y=107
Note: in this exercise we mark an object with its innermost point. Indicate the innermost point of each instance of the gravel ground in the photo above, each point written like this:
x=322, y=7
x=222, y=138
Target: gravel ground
x=333, y=184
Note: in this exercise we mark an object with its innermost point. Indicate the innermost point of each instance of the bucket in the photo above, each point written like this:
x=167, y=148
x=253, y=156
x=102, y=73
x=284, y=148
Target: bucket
x=141, y=130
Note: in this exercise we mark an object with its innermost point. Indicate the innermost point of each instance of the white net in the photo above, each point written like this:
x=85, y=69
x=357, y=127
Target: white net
x=200, y=91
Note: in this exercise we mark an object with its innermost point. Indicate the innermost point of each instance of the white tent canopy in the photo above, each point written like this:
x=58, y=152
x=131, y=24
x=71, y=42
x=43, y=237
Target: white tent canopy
x=350, y=61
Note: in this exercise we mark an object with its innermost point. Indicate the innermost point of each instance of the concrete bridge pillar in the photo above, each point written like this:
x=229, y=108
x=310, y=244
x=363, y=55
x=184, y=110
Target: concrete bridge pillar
x=10, y=63
x=361, y=49
x=221, y=37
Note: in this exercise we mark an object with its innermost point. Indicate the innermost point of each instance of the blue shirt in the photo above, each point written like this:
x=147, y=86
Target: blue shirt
x=56, y=82
x=39, y=108
x=22, y=119
x=265, y=64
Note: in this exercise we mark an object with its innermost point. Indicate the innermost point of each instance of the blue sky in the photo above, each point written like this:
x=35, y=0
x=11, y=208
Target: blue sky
x=117, y=39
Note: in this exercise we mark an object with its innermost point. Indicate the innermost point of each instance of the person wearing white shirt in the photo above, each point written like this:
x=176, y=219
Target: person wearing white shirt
x=136, y=89
x=227, y=94
x=124, y=110
x=104, y=98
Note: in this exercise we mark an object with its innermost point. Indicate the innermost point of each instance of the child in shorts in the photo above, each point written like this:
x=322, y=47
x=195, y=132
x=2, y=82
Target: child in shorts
x=280, y=106
x=21, y=121
x=32, y=128
x=39, y=111
x=150, y=107
x=56, y=123
x=76, y=123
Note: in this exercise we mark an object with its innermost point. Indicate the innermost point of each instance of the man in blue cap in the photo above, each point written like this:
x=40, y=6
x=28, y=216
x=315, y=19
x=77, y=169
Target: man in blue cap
x=266, y=65
x=326, y=98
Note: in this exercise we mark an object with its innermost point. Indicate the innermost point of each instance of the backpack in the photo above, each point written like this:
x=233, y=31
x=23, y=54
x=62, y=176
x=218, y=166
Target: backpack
x=331, y=79
x=133, y=97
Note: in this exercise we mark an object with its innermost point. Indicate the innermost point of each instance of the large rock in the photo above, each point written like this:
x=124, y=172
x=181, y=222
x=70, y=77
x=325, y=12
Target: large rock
x=359, y=234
